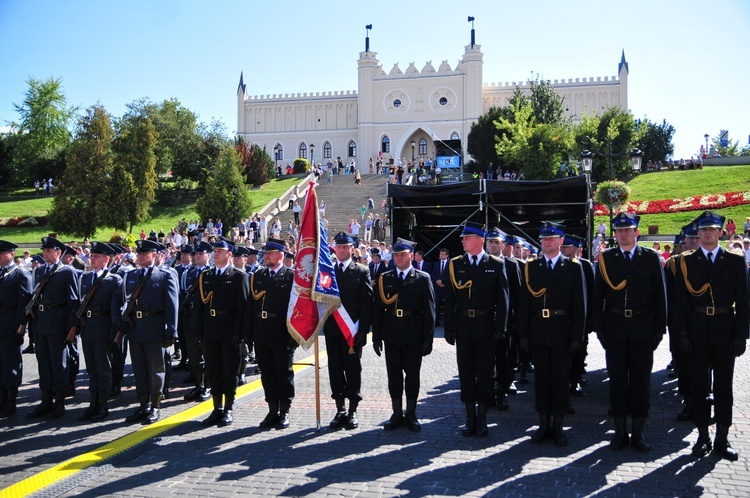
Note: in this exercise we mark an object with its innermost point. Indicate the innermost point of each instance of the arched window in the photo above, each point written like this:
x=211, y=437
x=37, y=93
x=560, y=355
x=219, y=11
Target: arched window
x=279, y=151
x=352, y=148
x=454, y=136
x=422, y=147
x=303, y=151
x=327, y=150
x=385, y=145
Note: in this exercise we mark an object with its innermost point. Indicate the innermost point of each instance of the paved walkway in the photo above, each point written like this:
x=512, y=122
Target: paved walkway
x=179, y=457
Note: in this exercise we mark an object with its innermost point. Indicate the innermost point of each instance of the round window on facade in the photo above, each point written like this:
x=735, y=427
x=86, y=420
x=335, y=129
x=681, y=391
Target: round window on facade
x=443, y=101
x=397, y=103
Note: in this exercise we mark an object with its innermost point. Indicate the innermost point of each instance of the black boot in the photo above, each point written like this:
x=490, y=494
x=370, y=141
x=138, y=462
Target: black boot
x=3, y=397
x=411, y=415
x=482, y=430
x=702, y=446
x=470, y=428
x=89, y=411
x=194, y=394
x=58, y=408
x=155, y=412
x=284, y=419
x=217, y=413
x=541, y=433
x=102, y=408
x=44, y=408
x=637, y=440
x=397, y=418
x=116, y=389
x=722, y=445
x=621, y=435
x=272, y=418
x=226, y=417
x=352, y=422
x=10, y=404
x=339, y=420
x=557, y=430
x=141, y=412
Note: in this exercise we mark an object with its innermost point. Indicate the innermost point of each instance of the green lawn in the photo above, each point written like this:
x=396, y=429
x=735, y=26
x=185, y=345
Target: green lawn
x=674, y=184
x=13, y=204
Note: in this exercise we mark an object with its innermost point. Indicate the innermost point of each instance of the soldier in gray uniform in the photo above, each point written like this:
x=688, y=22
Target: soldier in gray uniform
x=151, y=326
x=101, y=296
x=52, y=317
x=403, y=317
x=15, y=292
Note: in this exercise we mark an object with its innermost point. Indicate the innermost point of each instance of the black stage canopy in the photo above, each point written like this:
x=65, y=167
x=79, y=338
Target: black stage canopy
x=432, y=215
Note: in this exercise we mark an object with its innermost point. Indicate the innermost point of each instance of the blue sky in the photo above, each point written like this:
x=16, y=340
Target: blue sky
x=687, y=58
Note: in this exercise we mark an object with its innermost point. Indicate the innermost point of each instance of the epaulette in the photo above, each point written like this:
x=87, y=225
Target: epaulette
x=649, y=249
x=455, y=258
x=575, y=260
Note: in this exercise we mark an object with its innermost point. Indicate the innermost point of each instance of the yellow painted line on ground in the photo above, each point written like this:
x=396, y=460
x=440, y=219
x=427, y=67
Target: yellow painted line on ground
x=69, y=467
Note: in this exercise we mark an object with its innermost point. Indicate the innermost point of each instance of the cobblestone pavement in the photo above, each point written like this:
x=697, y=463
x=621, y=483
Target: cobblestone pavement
x=190, y=460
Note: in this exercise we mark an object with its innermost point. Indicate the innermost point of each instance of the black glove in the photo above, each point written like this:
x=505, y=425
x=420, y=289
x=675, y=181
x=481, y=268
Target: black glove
x=426, y=348
x=18, y=339
x=121, y=326
x=377, y=346
x=738, y=346
x=167, y=343
x=575, y=347
x=236, y=341
x=450, y=337
x=656, y=340
x=524, y=344
x=686, y=347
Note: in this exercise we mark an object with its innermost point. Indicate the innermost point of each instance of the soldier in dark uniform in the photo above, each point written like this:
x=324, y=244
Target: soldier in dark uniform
x=503, y=365
x=571, y=248
x=69, y=257
x=344, y=363
x=403, y=317
x=96, y=328
x=185, y=258
x=629, y=314
x=711, y=318
x=511, y=340
x=252, y=260
x=119, y=351
x=53, y=317
x=189, y=315
x=476, y=312
x=223, y=295
x=153, y=329
x=270, y=289
x=239, y=260
x=162, y=255
x=551, y=319
x=15, y=292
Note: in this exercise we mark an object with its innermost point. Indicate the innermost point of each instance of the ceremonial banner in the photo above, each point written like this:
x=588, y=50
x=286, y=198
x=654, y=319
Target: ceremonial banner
x=315, y=294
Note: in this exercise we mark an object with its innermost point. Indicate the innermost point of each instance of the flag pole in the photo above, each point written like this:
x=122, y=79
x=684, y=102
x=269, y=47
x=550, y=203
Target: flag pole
x=317, y=382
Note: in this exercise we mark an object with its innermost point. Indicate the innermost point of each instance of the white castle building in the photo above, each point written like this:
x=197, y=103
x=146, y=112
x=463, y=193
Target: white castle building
x=401, y=113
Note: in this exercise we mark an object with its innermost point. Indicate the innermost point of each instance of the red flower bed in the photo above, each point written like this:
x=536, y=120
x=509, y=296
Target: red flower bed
x=695, y=203
x=24, y=221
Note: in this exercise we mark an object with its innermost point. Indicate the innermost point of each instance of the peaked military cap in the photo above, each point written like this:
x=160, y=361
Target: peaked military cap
x=710, y=219
x=550, y=229
x=6, y=246
x=403, y=245
x=102, y=248
x=626, y=220
x=52, y=243
x=145, y=245
x=472, y=228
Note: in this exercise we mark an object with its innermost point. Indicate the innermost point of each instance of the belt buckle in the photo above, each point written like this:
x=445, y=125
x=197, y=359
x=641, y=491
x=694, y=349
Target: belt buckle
x=213, y=312
x=710, y=311
x=88, y=313
x=139, y=314
x=41, y=307
x=264, y=314
x=192, y=305
x=472, y=313
x=399, y=313
x=545, y=313
x=628, y=313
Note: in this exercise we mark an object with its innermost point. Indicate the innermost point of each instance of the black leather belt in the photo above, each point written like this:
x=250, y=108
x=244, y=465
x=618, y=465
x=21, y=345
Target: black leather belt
x=629, y=312
x=398, y=313
x=213, y=312
x=90, y=313
x=546, y=313
x=713, y=310
x=471, y=313
x=148, y=314
x=266, y=315
x=49, y=307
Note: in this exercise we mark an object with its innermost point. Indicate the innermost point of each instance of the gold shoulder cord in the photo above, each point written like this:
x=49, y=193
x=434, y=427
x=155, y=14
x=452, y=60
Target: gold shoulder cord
x=605, y=276
x=257, y=295
x=691, y=290
x=204, y=297
x=382, y=294
x=671, y=265
x=534, y=293
x=452, y=274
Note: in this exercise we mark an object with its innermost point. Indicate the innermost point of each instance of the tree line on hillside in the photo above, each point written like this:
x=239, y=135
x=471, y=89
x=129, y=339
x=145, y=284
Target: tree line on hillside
x=108, y=169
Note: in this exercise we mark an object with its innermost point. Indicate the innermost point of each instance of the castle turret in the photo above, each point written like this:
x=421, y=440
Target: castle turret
x=241, y=95
x=622, y=73
x=368, y=67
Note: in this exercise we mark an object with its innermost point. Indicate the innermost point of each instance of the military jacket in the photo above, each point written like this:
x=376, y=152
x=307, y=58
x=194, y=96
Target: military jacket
x=55, y=310
x=104, y=308
x=15, y=292
x=265, y=317
x=222, y=301
x=404, y=313
x=157, y=304
x=355, y=288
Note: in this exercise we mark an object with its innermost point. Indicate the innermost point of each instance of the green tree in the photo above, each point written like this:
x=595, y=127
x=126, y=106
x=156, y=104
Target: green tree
x=257, y=165
x=214, y=138
x=43, y=130
x=135, y=146
x=483, y=135
x=546, y=105
x=656, y=141
x=226, y=195
x=78, y=205
x=7, y=168
x=731, y=149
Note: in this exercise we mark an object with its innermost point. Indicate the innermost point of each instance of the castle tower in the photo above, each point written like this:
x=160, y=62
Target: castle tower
x=368, y=67
x=241, y=94
x=622, y=73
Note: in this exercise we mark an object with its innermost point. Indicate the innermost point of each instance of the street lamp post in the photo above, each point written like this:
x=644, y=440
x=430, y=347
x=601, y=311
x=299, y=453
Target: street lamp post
x=276, y=158
x=413, y=143
x=706, y=137
x=587, y=162
x=312, y=156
